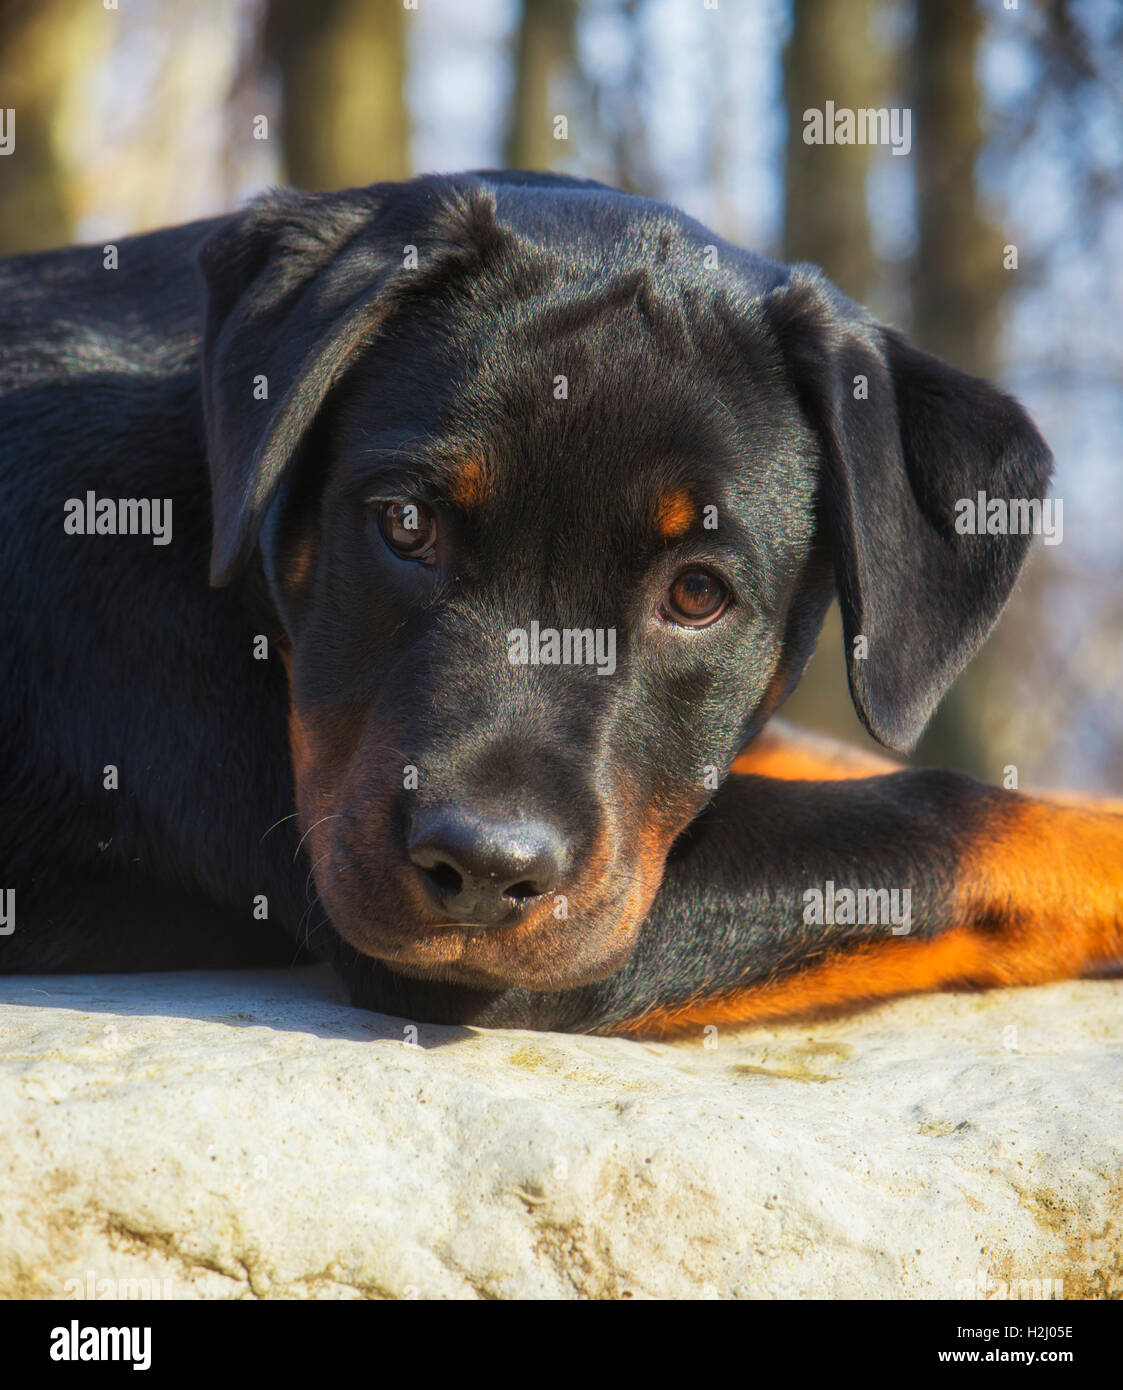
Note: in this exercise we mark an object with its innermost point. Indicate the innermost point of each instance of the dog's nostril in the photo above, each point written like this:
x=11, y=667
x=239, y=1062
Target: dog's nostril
x=445, y=878
x=521, y=891
x=484, y=869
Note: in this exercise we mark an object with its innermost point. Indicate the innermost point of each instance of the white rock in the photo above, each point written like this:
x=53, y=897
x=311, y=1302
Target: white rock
x=245, y=1135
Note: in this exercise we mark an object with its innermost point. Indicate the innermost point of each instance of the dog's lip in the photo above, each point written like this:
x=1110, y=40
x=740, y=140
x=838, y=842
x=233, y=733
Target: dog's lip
x=477, y=953
x=497, y=975
x=422, y=932
x=428, y=943
x=488, y=957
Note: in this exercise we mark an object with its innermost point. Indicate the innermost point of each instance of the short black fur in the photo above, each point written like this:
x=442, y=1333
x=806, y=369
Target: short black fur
x=273, y=371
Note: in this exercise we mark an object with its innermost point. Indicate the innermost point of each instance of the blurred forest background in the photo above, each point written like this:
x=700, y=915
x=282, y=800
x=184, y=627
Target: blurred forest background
x=148, y=112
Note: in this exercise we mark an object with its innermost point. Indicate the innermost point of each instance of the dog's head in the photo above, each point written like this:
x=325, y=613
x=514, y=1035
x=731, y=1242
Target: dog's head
x=552, y=488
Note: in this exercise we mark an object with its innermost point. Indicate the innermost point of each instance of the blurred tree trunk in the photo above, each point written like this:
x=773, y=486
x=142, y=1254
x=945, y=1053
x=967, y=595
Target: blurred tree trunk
x=957, y=274
x=342, y=65
x=45, y=45
x=958, y=281
x=545, y=58
x=634, y=170
x=830, y=57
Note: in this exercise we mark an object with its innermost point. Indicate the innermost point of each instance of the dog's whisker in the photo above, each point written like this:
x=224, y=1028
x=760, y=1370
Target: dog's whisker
x=291, y=816
x=334, y=816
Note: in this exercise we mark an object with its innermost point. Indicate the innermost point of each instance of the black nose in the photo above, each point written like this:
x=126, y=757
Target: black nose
x=480, y=869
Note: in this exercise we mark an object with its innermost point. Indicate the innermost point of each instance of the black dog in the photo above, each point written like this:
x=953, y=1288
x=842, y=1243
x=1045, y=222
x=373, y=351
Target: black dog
x=526, y=499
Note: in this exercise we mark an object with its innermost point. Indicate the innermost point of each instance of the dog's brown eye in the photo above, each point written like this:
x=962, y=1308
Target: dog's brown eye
x=696, y=598
x=408, y=528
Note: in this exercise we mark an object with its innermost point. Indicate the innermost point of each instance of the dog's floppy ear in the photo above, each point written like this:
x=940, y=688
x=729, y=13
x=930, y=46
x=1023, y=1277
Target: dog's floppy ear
x=905, y=437
x=293, y=291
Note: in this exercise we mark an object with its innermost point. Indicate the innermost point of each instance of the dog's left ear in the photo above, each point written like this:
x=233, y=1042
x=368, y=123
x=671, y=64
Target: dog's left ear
x=905, y=438
x=293, y=291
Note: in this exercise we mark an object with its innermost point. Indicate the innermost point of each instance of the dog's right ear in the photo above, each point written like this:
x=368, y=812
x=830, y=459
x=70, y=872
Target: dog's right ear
x=294, y=290
x=297, y=285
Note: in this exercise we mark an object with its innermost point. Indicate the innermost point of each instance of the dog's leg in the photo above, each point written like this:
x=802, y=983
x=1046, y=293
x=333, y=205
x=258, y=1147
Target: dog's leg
x=792, y=754
x=973, y=886
x=1002, y=889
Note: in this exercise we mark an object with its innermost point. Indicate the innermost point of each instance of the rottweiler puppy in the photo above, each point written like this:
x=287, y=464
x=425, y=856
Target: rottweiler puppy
x=522, y=501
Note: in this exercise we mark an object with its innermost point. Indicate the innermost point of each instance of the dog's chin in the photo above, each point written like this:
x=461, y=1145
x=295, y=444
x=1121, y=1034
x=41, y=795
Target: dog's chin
x=516, y=977
x=515, y=957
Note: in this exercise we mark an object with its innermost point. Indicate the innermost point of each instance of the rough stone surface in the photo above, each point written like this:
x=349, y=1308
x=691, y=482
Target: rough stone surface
x=247, y=1135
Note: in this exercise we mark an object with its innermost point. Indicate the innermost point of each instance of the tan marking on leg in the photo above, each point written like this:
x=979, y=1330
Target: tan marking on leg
x=793, y=755
x=1041, y=899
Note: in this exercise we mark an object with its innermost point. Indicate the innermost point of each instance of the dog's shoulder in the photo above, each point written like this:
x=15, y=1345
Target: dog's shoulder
x=78, y=309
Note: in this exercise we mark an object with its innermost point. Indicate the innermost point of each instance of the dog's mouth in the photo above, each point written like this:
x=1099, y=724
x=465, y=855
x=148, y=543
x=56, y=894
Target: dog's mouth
x=450, y=954
x=455, y=890
x=379, y=905
x=535, y=950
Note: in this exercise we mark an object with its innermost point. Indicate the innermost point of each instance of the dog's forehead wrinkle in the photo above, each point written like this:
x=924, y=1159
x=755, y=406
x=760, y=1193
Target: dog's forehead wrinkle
x=625, y=299
x=594, y=424
x=618, y=388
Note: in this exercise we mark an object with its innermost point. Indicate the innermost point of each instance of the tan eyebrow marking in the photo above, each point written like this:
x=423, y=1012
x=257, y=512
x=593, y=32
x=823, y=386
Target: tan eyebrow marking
x=470, y=481
x=675, y=513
